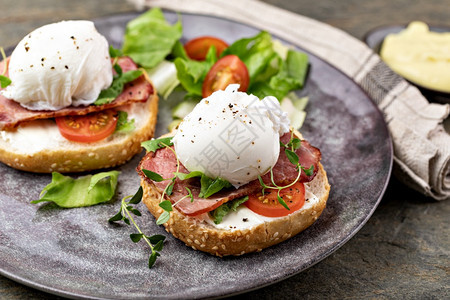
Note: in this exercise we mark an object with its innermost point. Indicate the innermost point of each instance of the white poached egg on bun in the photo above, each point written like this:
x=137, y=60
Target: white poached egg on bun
x=59, y=65
x=232, y=135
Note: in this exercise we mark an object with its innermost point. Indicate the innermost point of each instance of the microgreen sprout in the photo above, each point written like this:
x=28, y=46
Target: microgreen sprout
x=294, y=144
x=125, y=214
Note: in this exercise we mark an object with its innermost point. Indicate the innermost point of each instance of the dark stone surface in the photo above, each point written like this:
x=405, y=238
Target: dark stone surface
x=403, y=250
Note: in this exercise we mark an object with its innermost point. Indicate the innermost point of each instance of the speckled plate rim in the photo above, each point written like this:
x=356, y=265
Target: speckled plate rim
x=317, y=259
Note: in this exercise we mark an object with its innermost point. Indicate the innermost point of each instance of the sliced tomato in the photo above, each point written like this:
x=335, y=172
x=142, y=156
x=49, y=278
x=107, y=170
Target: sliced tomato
x=198, y=48
x=90, y=128
x=269, y=206
x=227, y=70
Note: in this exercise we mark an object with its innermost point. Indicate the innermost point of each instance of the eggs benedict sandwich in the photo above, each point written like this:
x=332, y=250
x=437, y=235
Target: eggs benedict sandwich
x=234, y=178
x=70, y=106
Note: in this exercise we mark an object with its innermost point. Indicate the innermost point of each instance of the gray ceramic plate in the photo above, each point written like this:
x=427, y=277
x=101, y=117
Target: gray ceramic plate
x=76, y=253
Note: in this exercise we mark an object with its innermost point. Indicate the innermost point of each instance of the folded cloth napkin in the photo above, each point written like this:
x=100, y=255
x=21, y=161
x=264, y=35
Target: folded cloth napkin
x=421, y=145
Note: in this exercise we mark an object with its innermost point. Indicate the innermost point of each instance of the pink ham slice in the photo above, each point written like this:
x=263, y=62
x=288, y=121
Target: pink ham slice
x=164, y=162
x=12, y=114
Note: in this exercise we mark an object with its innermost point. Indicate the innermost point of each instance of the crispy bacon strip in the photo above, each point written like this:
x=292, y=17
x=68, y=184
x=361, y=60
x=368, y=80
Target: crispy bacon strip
x=12, y=113
x=164, y=162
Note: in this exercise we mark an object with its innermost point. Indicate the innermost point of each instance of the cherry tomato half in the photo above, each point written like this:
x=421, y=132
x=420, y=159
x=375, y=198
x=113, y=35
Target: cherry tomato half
x=90, y=128
x=269, y=206
x=198, y=48
x=229, y=69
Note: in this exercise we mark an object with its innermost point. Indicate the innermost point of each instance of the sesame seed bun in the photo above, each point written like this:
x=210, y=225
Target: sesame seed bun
x=202, y=235
x=68, y=156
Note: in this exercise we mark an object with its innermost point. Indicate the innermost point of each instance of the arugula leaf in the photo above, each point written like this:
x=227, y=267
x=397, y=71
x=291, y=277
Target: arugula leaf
x=84, y=191
x=119, y=81
x=123, y=124
x=153, y=145
x=211, y=186
x=219, y=213
x=4, y=81
x=150, y=38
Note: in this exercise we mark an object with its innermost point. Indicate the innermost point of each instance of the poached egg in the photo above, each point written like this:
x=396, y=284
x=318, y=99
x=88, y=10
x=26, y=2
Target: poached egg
x=58, y=65
x=231, y=135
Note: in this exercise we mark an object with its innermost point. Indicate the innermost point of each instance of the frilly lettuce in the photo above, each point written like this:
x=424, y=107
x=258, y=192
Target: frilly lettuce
x=84, y=191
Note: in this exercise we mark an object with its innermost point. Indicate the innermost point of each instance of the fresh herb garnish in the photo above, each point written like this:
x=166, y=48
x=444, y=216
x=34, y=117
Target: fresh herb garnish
x=153, y=145
x=123, y=124
x=84, y=191
x=4, y=81
x=155, y=242
x=116, y=88
x=219, y=213
x=294, y=144
x=166, y=205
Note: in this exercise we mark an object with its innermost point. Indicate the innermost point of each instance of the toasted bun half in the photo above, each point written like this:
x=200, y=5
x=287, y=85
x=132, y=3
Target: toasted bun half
x=201, y=235
x=37, y=146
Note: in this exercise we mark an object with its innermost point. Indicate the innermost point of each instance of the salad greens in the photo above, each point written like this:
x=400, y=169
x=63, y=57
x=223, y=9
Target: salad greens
x=84, y=191
x=150, y=38
x=274, y=69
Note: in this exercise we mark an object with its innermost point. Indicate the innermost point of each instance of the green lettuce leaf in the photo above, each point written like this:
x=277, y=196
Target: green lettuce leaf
x=291, y=76
x=191, y=73
x=150, y=38
x=219, y=213
x=84, y=191
x=257, y=53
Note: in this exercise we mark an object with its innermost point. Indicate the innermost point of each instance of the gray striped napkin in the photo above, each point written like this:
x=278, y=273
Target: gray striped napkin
x=421, y=145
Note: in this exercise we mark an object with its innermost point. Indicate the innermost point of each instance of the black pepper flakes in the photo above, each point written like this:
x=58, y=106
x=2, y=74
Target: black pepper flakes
x=66, y=67
x=245, y=220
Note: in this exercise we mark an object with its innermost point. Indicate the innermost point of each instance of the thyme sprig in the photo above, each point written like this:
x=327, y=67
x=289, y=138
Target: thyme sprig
x=125, y=214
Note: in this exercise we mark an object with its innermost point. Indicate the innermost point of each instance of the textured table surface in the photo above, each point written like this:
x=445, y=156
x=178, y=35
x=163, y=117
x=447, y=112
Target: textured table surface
x=403, y=250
